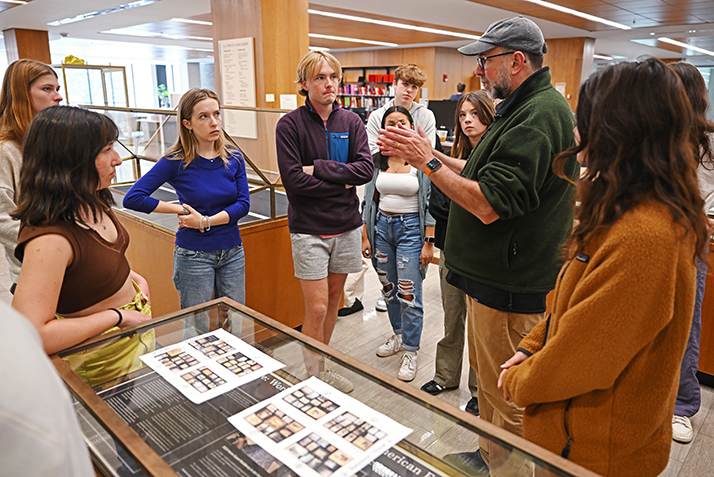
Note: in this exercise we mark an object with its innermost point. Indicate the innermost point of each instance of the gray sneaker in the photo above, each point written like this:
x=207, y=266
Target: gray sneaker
x=338, y=382
x=381, y=305
x=409, y=366
x=391, y=347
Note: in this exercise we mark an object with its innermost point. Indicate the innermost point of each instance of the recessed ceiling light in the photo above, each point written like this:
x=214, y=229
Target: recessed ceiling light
x=603, y=57
x=181, y=48
x=355, y=40
x=196, y=22
x=319, y=48
x=17, y=2
x=149, y=34
x=393, y=24
x=579, y=14
x=87, y=16
x=686, y=46
x=652, y=33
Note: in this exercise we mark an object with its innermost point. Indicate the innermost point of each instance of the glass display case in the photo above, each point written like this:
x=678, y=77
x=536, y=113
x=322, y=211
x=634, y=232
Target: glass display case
x=223, y=390
x=97, y=85
x=145, y=135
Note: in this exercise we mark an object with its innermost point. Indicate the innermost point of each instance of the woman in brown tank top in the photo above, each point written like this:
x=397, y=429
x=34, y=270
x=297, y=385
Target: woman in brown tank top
x=70, y=243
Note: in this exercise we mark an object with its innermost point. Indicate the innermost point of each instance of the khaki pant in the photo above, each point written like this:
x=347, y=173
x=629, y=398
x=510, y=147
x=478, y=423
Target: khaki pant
x=450, y=349
x=354, y=285
x=493, y=339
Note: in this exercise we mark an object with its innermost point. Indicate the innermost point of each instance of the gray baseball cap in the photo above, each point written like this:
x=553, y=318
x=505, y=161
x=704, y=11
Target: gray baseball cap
x=516, y=33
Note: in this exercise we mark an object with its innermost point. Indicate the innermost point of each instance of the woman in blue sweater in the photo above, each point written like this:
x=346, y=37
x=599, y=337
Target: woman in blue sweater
x=211, y=184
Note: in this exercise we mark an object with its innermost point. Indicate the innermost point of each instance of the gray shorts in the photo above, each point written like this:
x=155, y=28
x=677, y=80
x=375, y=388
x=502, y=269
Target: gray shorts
x=314, y=256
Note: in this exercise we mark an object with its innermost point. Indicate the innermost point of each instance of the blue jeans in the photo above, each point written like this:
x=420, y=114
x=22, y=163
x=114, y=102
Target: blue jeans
x=198, y=274
x=689, y=393
x=397, y=248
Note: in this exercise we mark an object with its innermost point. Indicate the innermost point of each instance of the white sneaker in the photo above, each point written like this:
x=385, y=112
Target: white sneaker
x=682, y=429
x=338, y=382
x=408, y=369
x=381, y=305
x=391, y=347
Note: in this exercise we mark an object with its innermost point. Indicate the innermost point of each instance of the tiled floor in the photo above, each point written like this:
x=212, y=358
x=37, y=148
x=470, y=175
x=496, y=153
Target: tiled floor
x=360, y=334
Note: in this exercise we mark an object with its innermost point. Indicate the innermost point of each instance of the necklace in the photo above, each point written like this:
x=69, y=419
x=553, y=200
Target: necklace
x=104, y=227
x=396, y=168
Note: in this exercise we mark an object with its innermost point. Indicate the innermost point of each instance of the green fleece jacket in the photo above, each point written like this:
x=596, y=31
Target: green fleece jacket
x=520, y=252
x=604, y=371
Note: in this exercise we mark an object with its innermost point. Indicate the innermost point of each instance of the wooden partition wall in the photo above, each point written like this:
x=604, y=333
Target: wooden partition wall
x=280, y=31
x=271, y=287
x=569, y=59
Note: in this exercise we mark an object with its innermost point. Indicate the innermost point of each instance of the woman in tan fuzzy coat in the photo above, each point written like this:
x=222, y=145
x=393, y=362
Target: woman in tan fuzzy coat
x=599, y=376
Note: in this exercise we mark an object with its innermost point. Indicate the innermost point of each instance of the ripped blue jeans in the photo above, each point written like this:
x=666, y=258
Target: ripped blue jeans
x=397, y=246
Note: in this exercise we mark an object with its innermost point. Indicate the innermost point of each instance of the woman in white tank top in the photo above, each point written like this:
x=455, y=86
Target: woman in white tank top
x=399, y=238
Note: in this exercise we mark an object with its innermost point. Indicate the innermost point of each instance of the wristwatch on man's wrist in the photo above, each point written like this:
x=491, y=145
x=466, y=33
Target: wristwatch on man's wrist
x=429, y=240
x=432, y=166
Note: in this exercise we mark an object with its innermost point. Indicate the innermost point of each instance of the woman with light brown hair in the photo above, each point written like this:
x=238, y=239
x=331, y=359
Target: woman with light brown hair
x=474, y=114
x=212, y=187
x=28, y=88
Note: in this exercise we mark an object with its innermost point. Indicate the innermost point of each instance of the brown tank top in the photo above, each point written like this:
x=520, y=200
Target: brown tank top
x=98, y=268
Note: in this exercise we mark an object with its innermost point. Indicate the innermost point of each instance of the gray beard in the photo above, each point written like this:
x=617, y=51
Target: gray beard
x=501, y=88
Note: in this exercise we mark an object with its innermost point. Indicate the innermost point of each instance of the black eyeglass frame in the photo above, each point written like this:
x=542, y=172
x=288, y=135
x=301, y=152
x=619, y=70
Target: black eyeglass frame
x=481, y=60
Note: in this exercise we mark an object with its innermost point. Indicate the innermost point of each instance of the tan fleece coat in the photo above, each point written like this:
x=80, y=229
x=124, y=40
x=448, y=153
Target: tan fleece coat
x=10, y=165
x=605, y=366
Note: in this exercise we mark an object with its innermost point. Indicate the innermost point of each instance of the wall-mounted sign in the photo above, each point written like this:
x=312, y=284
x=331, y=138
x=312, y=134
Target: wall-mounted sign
x=237, y=63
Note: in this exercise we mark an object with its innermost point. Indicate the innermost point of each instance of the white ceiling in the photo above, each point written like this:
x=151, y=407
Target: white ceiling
x=86, y=38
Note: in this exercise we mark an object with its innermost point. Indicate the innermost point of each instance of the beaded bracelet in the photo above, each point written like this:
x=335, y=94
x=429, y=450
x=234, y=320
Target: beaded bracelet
x=120, y=317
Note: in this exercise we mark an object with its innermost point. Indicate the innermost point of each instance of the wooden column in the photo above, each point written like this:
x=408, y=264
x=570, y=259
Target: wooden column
x=27, y=44
x=571, y=62
x=279, y=29
x=280, y=32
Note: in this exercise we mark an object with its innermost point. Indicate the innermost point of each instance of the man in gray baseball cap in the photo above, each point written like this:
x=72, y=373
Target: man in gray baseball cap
x=516, y=33
x=509, y=216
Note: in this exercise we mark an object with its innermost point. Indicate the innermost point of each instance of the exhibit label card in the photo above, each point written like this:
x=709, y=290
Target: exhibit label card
x=209, y=365
x=318, y=431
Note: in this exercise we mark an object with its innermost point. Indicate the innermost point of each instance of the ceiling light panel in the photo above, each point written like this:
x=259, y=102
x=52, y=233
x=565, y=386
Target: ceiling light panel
x=393, y=24
x=87, y=16
x=195, y=22
x=685, y=46
x=577, y=13
x=354, y=40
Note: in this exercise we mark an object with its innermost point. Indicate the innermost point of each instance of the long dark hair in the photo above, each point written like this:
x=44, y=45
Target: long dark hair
x=485, y=112
x=59, y=177
x=382, y=161
x=634, y=121
x=696, y=90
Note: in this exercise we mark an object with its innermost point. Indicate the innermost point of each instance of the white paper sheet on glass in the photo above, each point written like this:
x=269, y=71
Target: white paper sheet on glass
x=209, y=365
x=319, y=431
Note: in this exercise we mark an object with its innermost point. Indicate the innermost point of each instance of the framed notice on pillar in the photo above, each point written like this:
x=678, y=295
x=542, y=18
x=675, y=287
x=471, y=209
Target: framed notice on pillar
x=237, y=62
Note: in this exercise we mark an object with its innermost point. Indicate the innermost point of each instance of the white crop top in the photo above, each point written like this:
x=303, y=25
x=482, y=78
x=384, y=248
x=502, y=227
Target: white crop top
x=398, y=193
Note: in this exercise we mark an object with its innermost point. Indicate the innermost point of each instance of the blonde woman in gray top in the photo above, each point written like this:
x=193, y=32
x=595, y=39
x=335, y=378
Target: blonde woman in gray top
x=29, y=87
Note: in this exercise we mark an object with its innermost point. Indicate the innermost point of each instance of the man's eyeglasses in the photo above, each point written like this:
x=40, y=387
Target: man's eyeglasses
x=481, y=60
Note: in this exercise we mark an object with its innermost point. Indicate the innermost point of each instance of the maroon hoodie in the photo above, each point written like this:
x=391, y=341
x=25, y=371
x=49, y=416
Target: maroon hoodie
x=320, y=204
